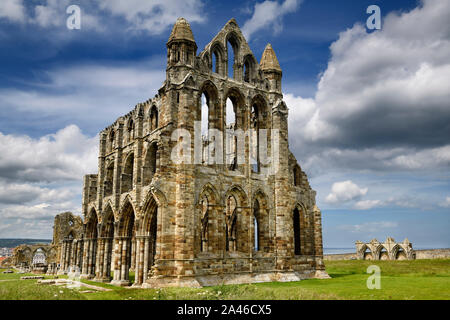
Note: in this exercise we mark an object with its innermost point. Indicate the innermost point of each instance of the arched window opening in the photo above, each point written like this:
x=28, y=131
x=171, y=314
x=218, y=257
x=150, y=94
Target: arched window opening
x=260, y=134
x=204, y=220
x=256, y=226
x=127, y=233
x=231, y=60
x=150, y=242
x=231, y=139
x=255, y=126
x=108, y=234
x=111, y=142
x=400, y=255
x=130, y=130
x=296, y=225
x=249, y=63
x=153, y=118
x=205, y=114
x=108, y=184
x=127, y=175
x=247, y=71
x=230, y=226
x=91, y=238
x=39, y=258
x=150, y=164
x=215, y=62
x=205, y=126
x=384, y=254
x=367, y=255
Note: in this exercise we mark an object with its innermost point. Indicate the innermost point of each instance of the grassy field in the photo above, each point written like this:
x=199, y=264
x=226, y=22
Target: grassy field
x=418, y=279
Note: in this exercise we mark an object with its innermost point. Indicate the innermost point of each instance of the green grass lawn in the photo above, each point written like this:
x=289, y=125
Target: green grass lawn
x=418, y=279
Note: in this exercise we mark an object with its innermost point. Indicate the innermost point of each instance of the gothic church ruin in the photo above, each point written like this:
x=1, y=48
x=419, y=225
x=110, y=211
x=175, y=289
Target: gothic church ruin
x=200, y=223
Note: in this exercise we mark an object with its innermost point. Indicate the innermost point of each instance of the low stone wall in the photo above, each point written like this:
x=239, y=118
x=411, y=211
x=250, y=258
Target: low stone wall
x=340, y=256
x=433, y=254
x=420, y=254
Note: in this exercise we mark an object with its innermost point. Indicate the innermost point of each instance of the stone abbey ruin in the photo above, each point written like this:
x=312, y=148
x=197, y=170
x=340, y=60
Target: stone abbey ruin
x=387, y=250
x=231, y=220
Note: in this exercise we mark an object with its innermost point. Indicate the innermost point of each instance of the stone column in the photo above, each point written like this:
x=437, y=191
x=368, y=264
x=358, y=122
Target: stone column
x=99, y=258
x=62, y=258
x=133, y=254
x=124, y=270
x=106, y=260
x=146, y=258
x=138, y=269
x=84, y=267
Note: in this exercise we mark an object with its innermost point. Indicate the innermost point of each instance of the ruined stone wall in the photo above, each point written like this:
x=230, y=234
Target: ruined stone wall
x=192, y=222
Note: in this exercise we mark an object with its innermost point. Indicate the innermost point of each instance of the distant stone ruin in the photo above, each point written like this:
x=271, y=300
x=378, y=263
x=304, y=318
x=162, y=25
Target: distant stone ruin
x=388, y=250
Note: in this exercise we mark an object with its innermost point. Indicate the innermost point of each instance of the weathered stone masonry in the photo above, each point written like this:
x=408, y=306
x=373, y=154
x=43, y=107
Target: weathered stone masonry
x=199, y=224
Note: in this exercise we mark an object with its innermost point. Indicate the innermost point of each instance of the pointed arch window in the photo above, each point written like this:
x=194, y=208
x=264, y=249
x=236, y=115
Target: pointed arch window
x=256, y=226
x=204, y=221
x=231, y=225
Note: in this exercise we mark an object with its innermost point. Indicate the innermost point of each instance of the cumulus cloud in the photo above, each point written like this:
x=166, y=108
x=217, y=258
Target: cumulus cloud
x=15, y=193
x=12, y=10
x=66, y=155
x=67, y=94
x=154, y=16
x=269, y=14
x=383, y=101
x=367, y=204
x=345, y=191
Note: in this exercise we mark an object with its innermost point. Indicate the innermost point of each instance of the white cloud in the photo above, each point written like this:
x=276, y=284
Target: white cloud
x=367, y=204
x=12, y=10
x=369, y=227
x=269, y=14
x=66, y=155
x=446, y=203
x=22, y=193
x=345, y=191
x=69, y=93
x=382, y=102
x=154, y=16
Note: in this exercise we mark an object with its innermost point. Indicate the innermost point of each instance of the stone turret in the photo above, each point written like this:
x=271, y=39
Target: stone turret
x=181, y=47
x=271, y=68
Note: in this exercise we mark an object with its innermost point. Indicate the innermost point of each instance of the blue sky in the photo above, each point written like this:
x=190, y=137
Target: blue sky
x=369, y=110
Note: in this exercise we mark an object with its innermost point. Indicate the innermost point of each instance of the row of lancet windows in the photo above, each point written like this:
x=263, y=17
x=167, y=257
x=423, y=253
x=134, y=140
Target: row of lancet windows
x=130, y=132
x=128, y=171
x=231, y=232
x=235, y=119
x=232, y=53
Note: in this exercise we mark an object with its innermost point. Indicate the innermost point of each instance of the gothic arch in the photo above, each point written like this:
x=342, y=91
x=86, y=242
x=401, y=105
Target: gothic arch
x=207, y=220
x=250, y=67
x=127, y=173
x=218, y=53
x=261, y=221
x=237, y=214
x=235, y=43
x=299, y=227
x=151, y=162
x=91, y=224
x=378, y=252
